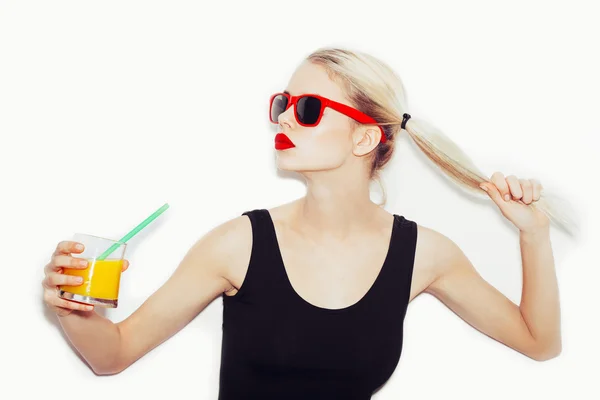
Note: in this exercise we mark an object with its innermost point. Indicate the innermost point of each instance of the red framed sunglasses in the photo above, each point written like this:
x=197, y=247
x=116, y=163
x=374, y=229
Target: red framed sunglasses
x=309, y=108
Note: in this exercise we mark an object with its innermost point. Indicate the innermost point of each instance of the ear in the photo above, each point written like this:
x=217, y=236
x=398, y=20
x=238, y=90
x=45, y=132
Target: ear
x=365, y=140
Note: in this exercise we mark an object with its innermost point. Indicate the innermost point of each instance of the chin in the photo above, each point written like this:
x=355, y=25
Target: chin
x=287, y=166
x=291, y=166
x=291, y=160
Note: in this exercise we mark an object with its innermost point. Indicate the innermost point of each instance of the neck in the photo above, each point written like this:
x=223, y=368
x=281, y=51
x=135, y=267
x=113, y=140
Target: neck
x=336, y=204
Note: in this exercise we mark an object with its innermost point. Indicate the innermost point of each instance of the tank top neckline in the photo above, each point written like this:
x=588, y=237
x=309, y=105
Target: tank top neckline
x=357, y=304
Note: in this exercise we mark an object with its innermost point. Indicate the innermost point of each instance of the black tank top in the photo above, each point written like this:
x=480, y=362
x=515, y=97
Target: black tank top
x=276, y=345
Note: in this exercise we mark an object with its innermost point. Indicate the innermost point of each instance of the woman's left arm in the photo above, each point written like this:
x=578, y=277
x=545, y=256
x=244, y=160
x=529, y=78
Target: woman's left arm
x=533, y=327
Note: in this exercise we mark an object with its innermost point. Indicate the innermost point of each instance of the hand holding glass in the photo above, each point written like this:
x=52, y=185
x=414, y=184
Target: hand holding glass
x=101, y=278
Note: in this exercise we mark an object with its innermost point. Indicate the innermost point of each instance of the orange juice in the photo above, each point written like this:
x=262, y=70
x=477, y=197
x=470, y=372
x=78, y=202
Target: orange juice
x=100, y=285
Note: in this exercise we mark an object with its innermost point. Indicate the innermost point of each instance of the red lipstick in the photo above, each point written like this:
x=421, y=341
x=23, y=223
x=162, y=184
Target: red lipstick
x=283, y=142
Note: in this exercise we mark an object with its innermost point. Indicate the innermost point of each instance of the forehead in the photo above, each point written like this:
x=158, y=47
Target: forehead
x=312, y=78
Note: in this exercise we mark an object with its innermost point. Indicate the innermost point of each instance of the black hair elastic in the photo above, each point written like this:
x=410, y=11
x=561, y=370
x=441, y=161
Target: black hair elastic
x=405, y=119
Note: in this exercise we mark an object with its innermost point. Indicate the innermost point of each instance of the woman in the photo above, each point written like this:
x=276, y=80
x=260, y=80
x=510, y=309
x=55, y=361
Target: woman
x=315, y=291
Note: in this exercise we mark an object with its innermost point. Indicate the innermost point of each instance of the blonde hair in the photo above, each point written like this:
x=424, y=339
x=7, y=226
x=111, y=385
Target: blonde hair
x=375, y=89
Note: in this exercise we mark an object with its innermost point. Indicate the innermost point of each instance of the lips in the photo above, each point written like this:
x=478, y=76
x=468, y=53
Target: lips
x=283, y=142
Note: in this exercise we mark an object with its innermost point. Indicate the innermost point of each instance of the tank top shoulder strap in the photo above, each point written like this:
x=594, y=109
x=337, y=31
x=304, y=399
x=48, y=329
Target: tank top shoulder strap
x=399, y=270
x=407, y=241
x=261, y=232
x=258, y=277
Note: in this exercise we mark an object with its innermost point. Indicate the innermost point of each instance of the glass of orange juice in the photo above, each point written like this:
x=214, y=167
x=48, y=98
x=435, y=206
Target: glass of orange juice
x=101, y=278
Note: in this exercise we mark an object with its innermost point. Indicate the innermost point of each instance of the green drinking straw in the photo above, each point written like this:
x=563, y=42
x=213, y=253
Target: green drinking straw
x=133, y=232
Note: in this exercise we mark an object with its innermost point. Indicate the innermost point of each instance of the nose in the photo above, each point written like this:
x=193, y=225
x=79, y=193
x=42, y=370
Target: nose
x=286, y=117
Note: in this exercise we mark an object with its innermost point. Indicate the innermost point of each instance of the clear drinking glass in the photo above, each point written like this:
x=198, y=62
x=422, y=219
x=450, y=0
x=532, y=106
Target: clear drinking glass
x=101, y=278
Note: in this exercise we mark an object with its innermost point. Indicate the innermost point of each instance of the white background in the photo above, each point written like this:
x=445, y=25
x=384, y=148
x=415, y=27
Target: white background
x=110, y=109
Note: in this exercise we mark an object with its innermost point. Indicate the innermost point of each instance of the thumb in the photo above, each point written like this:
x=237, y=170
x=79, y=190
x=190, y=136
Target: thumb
x=493, y=192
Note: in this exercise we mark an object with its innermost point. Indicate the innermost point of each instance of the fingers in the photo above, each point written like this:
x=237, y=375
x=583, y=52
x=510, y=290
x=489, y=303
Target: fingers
x=514, y=187
x=526, y=190
x=52, y=300
x=67, y=247
x=63, y=261
x=54, y=279
x=537, y=189
x=497, y=179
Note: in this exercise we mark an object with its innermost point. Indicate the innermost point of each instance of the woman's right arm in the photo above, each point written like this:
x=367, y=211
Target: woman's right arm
x=110, y=348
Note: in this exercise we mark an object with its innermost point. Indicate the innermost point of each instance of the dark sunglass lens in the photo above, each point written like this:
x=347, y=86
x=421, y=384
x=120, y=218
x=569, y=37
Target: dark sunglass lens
x=278, y=106
x=308, y=109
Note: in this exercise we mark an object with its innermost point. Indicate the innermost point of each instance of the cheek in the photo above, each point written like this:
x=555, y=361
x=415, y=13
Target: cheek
x=328, y=145
x=332, y=133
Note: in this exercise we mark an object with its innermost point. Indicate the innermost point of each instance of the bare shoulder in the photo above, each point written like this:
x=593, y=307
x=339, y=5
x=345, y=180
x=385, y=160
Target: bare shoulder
x=433, y=255
x=231, y=244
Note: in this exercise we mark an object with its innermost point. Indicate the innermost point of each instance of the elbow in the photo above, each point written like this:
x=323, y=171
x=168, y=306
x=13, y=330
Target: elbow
x=545, y=353
x=546, y=356
x=112, y=362
x=106, y=370
x=113, y=368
